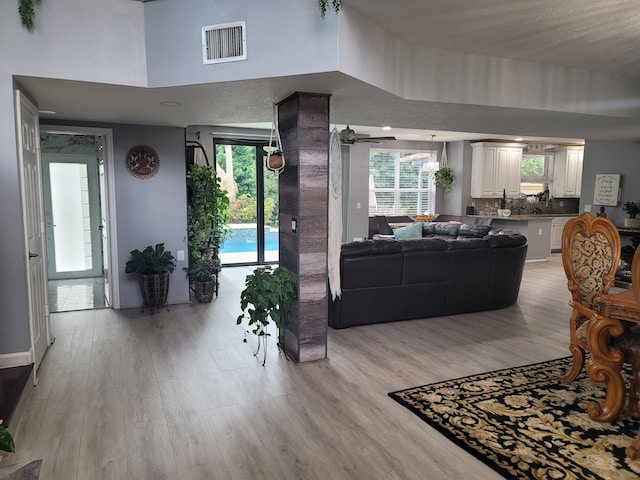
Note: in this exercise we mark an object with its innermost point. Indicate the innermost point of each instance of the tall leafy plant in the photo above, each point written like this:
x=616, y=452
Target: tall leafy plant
x=208, y=212
x=267, y=292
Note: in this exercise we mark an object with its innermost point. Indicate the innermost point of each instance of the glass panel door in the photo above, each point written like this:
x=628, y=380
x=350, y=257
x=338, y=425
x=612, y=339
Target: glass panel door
x=253, y=203
x=72, y=216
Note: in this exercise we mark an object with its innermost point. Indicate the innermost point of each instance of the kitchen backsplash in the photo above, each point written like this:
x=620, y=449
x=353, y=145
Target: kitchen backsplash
x=489, y=206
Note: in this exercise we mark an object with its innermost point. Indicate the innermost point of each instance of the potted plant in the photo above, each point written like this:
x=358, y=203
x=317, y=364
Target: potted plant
x=269, y=295
x=208, y=214
x=203, y=275
x=632, y=209
x=7, y=446
x=153, y=266
x=444, y=178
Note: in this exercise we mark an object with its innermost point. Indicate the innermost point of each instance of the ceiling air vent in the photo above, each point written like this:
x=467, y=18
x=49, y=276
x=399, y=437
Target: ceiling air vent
x=224, y=43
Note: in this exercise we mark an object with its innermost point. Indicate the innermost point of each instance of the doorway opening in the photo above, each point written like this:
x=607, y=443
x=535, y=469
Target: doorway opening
x=253, y=202
x=76, y=219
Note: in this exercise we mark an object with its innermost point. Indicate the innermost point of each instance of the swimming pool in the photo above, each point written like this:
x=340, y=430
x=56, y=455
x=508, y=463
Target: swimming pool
x=244, y=238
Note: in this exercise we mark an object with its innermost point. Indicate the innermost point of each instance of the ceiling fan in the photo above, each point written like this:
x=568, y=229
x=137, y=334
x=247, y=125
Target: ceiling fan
x=349, y=137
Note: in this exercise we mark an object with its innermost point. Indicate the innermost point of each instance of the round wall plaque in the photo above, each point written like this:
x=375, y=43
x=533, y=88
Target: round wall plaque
x=142, y=161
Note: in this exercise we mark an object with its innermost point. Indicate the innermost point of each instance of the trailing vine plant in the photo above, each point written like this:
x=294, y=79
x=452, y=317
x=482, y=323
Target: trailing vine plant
x=444, y=178
x=323, y=4
x=28, y=13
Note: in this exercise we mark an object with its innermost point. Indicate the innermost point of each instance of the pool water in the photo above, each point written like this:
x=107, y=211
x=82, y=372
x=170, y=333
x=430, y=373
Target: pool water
x=244, y=238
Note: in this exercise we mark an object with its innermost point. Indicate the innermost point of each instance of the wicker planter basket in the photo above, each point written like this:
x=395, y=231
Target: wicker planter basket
x=154, y=288
x=204, y=291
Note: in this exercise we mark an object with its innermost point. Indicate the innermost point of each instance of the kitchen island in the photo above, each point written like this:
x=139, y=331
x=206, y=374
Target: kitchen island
x=537, y=229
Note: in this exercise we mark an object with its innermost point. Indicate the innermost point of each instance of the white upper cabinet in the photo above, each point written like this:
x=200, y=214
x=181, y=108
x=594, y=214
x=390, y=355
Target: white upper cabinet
x=567, y=172
x=495, y=168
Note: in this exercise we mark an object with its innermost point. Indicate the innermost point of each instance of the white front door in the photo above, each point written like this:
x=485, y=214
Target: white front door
x=72, y=215
x=33, y=219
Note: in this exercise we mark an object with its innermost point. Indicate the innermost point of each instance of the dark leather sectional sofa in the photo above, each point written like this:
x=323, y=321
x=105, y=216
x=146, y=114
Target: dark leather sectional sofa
x=452, y=269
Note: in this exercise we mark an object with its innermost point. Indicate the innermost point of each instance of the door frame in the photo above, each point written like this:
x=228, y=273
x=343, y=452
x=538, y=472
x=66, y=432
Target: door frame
x=259, y=159
x=91, y=162
x=109, y=202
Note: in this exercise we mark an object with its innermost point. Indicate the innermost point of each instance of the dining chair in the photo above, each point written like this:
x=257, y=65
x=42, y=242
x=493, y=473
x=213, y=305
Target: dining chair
x=590, y=257
x=625, y=306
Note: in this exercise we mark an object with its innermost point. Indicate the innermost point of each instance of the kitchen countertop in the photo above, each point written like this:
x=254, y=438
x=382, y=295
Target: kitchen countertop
x=522, y=218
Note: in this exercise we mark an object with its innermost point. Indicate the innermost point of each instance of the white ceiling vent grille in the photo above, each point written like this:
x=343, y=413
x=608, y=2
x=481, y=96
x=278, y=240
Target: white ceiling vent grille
x=224, y=43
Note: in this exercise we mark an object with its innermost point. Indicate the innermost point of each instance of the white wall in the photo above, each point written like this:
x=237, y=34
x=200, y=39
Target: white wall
x=371, y=54
x=152, y=210
x=611, y=157
x=75, y=39
x=284, y=37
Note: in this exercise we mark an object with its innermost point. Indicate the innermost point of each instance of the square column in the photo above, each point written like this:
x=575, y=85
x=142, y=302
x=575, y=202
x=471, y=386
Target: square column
x=303, y=120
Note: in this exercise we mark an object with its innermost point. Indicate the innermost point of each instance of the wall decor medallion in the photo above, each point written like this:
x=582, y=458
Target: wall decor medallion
x=142, y=161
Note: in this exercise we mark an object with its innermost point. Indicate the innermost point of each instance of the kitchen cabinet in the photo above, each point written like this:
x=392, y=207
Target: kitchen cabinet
x=567, y=172
x=557, y=226
x=495, y=167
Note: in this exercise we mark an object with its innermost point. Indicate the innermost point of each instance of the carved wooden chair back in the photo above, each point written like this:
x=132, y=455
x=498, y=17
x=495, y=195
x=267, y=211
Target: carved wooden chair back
x=590, y=257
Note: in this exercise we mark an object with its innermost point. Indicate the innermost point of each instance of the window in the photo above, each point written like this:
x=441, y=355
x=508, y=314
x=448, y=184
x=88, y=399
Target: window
x=534, y=173
x=401, y=182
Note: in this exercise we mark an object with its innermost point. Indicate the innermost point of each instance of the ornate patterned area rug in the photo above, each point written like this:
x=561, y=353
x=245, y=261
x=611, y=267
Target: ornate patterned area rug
x=525, y=424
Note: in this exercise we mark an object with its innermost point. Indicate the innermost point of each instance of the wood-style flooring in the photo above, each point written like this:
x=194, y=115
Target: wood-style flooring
x=178, y=395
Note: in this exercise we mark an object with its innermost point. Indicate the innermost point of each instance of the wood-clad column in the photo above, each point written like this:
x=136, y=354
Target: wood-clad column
x=304, y=129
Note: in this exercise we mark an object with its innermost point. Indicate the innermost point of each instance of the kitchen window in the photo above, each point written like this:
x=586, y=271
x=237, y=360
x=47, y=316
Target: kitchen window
x=534, y=173
x=402, y=182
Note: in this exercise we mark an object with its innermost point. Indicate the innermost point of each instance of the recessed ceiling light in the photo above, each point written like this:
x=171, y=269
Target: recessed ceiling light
x=519, y=139
x=386, y=128
x=171, y=104
x=46, y=112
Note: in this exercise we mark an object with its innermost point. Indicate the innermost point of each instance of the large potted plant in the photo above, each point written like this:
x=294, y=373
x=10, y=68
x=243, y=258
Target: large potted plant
x=208, y=214
x=632, y=209
x=7, y=446
x=268, y=297
x=153, y=266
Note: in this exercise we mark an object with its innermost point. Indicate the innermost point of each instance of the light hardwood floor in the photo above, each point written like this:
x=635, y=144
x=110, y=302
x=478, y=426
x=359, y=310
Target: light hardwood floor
x=178, y=395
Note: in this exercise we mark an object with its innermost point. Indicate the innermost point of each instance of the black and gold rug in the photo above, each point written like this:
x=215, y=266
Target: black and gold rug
x=524, y=423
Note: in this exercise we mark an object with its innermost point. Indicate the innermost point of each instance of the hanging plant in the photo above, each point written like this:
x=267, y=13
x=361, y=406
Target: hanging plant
x=323, y=4
x=444, y=178
x=28, y=13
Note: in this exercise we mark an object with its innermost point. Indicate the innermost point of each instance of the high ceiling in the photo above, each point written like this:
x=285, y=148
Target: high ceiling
x=602, y=35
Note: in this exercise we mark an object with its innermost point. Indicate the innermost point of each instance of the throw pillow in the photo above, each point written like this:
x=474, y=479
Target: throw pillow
x=31, y=471
x=410, y=231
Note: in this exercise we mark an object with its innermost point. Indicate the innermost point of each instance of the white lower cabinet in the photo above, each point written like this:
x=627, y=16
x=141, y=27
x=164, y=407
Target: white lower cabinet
x=557, y=226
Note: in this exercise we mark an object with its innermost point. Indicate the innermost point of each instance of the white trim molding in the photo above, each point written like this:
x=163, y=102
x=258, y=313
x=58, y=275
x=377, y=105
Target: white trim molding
x=15, y=359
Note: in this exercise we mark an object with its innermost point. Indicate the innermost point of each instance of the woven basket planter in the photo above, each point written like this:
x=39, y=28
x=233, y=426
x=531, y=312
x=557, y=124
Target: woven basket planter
x=204, y=291
x=154, y=288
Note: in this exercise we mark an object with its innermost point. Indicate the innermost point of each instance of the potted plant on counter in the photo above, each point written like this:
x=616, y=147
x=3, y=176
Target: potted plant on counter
x=269, y=295
x=153, y=266
x=632, y=209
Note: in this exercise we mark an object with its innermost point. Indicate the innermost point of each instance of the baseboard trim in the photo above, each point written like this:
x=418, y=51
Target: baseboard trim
x=15, y=359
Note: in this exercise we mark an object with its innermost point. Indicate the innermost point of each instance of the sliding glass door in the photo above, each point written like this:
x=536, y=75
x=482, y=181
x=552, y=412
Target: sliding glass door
x=253, y=195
